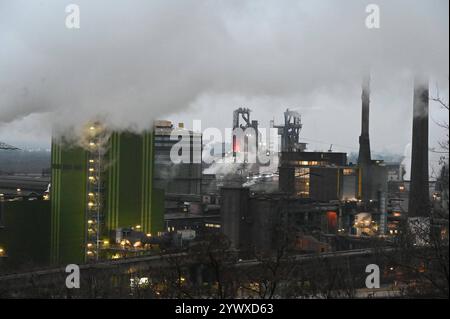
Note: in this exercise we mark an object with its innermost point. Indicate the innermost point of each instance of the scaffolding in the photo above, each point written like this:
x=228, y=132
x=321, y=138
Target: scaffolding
x=94, y=216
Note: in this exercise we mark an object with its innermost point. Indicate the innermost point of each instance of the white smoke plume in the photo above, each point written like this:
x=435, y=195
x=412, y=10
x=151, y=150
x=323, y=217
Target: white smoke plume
x=132, y=62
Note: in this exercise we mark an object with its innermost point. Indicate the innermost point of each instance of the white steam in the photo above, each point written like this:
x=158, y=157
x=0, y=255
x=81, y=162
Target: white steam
x=134, y=61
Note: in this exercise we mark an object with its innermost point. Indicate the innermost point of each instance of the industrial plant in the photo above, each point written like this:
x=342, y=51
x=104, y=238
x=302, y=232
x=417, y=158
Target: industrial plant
x=117, y=195
x=197, y=151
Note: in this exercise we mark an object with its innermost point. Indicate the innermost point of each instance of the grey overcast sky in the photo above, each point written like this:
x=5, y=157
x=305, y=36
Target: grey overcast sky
x=135, y=61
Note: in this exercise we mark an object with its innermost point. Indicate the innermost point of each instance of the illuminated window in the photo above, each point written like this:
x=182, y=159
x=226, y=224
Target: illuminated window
x=348, y=171
x=302, y=182
x=212, y=225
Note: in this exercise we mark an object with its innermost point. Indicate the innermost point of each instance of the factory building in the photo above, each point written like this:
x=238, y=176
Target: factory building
x=321, y=176
x=24, y=232
x=398, y=202
x=177, y=178
x=326, y=176
x=395, y=171
x=18, y=185
x=257, y=222
x=321, y=197
x=98, y=188
x=102, y=190
x=198, y=222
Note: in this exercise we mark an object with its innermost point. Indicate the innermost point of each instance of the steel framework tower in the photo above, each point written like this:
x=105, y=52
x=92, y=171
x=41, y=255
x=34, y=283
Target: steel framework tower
x=94, y=213
x=4, y=146
x=241, y=120
x=290, y=132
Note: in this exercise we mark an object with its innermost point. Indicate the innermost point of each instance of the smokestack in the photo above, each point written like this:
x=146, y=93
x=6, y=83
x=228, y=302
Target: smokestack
x=419, y=205
x=364, y=157
x=364, y=141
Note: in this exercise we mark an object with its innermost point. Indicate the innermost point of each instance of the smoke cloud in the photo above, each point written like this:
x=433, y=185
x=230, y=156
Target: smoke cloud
x=132, y=62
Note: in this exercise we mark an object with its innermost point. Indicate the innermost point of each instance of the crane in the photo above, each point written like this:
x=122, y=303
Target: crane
x=4, y=146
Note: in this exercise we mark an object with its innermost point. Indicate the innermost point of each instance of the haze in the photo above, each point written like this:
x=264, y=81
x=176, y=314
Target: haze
x=136, y=61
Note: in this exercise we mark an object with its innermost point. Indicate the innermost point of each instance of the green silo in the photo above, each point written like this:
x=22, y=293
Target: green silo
x=68, y=203
x=124, y=196
x=129, y=182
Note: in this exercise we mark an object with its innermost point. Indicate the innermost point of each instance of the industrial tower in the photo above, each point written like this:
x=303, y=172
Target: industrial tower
x=290, y=132
x=101, y=185
x=419, y=205
x=241, y=120
x=364, y=158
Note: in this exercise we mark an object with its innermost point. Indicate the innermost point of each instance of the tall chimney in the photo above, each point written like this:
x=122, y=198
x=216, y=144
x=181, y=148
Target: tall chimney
x=419, y=205
x=364, y=157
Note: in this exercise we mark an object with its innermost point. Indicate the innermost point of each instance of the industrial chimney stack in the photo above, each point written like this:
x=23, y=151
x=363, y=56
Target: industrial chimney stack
x=419, y=205
x=364, y=158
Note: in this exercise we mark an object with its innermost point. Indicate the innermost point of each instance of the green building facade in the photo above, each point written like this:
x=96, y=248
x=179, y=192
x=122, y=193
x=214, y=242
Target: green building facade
x=68, y=203
x=124, y=196
x=130, y=195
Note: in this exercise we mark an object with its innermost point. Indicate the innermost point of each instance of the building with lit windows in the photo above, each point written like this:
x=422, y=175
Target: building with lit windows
x=321, y=176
